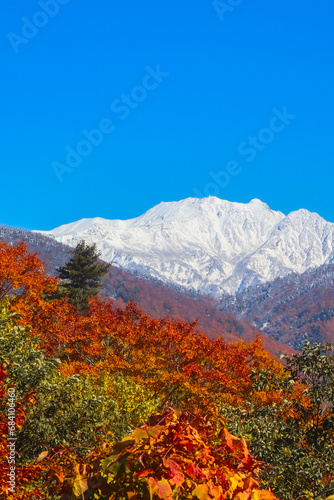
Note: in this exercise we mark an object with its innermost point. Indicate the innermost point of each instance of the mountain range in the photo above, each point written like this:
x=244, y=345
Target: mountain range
x=209, y=245
x=255, y=271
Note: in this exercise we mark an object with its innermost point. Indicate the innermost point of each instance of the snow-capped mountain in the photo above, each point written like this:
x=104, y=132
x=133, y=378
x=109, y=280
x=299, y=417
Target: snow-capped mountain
x=209, y=245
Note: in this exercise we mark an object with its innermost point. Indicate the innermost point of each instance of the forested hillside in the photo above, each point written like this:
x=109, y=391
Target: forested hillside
x=155, y=299
x=109, y=403
x=291, y=309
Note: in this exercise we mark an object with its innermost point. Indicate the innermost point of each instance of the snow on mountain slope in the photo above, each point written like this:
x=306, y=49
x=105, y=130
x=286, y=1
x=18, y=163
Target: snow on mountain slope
x=209, y=245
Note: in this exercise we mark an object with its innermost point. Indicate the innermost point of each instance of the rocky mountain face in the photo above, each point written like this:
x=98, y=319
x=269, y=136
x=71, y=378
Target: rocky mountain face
x=209, y=245
x=290, y=309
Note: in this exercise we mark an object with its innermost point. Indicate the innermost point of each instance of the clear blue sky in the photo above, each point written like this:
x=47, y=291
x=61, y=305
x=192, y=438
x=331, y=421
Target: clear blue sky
x=213, y=112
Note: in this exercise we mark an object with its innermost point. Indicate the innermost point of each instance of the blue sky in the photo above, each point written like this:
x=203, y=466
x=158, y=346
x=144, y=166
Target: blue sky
x=187, y=97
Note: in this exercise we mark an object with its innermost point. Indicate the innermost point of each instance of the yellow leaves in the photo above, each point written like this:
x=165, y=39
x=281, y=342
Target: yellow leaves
x=234, y=482
x=139, y=434
x=161, y=488
x=287, y=453
x=79, y=485
x=201, y=492
x=208, y=491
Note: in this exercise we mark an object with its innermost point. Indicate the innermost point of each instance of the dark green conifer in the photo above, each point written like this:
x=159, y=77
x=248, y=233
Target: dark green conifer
x=80, y=277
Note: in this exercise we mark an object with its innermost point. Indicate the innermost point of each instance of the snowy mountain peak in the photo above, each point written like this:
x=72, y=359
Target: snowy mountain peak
x=256, y=201
x=209, y=245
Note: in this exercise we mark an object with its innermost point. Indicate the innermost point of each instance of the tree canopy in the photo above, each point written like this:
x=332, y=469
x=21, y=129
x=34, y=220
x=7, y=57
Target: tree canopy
x=80, y=277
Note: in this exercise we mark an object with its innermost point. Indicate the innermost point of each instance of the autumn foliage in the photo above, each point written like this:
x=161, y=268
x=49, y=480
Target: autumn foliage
x=175, y=455
x=105, y=365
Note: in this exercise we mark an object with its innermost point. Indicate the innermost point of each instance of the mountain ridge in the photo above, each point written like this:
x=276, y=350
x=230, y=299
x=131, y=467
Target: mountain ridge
x=291, y=309
x=157, y=300
x=209, y=245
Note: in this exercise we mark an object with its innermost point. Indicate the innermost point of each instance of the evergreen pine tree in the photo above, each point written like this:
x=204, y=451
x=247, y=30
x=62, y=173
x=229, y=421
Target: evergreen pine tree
x=80, y=277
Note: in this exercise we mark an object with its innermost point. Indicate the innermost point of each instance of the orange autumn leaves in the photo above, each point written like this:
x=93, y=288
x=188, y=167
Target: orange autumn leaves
x=181, y=366
x=24, y=281
x=22, y=277
x=177, y=455
x=168, y=357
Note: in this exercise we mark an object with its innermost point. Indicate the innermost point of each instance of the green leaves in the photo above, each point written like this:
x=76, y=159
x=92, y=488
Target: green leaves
x=295, y=435
x=26, y=366
x=82, y=409
x=315, y=368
